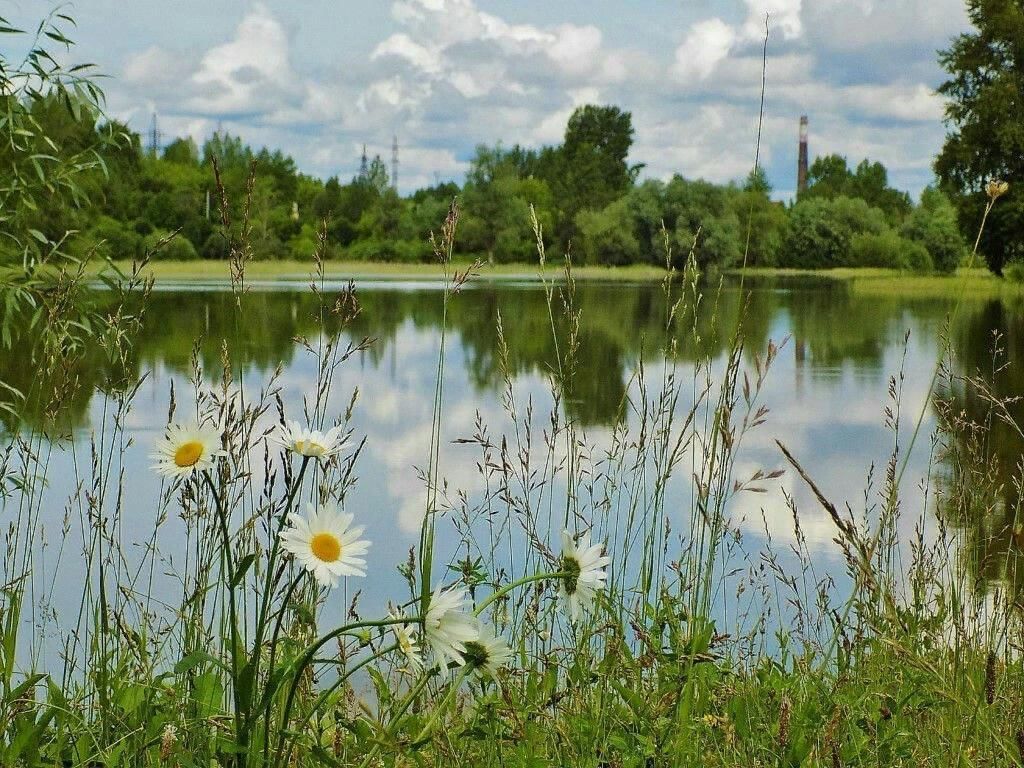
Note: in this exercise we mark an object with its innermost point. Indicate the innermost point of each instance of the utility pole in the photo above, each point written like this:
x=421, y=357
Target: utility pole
x=801, y=168
x=154, y=137
x=394, y=163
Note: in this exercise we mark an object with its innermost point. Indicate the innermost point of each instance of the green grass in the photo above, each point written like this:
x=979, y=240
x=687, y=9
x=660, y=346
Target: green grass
x=900, y=664
x=969, y=283
x=866, y=675
x=340, y=270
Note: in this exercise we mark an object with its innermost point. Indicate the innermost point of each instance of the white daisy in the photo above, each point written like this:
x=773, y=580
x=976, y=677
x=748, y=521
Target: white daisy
x=309, y=442
x=325, y=543
x=408, y=642
x=186, y=448
x=583, y=566
x=488, y=653
x=447, y=626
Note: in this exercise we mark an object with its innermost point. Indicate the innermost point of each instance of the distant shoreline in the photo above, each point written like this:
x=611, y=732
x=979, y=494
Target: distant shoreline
x=976, y=282
x=303, y=271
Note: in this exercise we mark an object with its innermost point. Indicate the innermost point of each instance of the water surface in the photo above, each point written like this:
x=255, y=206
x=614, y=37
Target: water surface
x=827, y=395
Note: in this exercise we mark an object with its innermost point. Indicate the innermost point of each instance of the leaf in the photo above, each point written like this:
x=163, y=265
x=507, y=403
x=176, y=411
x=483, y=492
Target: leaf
x=208, y=694
x=195, y=659
x=321, y=754
x=241, y=567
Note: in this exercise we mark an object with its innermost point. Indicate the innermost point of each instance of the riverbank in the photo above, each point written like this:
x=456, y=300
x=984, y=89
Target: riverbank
x=975, y=282
x=370, y=270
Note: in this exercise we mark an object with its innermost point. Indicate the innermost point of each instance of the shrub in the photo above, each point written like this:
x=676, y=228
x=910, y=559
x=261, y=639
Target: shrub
x=374, y=249
x=888, y=249
x=114, y=238
x=178, y=248
x=1014, y=271
x=216, y=247
x=821, y=231
x=933, y=224
x=606, y=236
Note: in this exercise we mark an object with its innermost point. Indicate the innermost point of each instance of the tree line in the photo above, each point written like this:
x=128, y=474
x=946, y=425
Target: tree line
x=71, y=172
x=584, y=194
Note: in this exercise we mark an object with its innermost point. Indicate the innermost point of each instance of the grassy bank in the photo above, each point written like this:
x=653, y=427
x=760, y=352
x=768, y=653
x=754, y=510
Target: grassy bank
x=379, y=270
x=968, y=283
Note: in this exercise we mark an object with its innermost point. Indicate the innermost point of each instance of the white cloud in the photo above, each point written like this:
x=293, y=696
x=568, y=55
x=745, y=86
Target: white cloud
x=420, y=56
x=154, y=66
x=575, y=49
x=447, y=75
x=706, y=45
x=783, y=16
x=851, y=25
x=245, y=73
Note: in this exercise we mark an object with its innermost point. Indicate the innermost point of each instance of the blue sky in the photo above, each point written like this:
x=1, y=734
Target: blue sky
x=318, y=79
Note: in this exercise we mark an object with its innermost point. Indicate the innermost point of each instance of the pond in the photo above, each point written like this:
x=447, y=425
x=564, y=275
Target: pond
x=827, y=392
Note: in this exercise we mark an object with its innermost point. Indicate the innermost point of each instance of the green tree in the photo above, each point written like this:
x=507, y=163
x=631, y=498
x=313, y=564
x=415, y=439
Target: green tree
x=702, y=216
x=760, y=217
x=830, y=177
x=646, y=205
x=606, y=236
x=182, y=151
x=821, y=231
x=497, y=202
x=933, y=224
x=590, y=169
x=985, y=125
x=597, y=143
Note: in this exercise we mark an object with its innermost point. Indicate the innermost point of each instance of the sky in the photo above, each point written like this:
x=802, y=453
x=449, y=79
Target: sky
x=319, y=79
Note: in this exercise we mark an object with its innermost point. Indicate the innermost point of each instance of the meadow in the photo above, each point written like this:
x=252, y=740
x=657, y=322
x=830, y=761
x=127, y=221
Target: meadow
x=582, y=588
x=580, y=611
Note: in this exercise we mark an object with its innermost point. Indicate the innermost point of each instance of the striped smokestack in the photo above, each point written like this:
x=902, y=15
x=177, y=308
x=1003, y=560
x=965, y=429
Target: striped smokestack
x=801, y=169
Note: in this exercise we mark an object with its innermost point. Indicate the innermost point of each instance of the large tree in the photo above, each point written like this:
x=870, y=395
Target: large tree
x=589, y=171
x=831, y=177
x=985, y=121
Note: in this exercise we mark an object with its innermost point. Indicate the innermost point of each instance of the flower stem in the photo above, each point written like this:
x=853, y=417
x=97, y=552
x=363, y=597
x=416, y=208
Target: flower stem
x=442, y=707
x=310, y=654
x=500, y=593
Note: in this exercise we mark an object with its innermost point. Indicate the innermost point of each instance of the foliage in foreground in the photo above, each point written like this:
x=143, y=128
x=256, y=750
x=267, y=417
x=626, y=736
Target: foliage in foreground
x=694, y=651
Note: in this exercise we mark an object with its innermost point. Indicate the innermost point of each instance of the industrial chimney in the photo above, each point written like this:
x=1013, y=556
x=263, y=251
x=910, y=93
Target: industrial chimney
x=801, y=169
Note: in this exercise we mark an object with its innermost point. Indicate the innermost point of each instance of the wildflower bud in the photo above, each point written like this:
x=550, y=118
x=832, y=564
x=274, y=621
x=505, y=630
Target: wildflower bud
x=996, y=188
x=785, y=708
x=168, y=740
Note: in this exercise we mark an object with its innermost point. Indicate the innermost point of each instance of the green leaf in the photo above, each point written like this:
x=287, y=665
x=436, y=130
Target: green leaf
x=241, y=567
x=208, y=694
x=194, y=660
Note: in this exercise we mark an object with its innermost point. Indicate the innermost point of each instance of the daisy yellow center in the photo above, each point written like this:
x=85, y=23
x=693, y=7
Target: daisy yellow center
x=309, y=448
x=188, y=453
x=326, y=547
